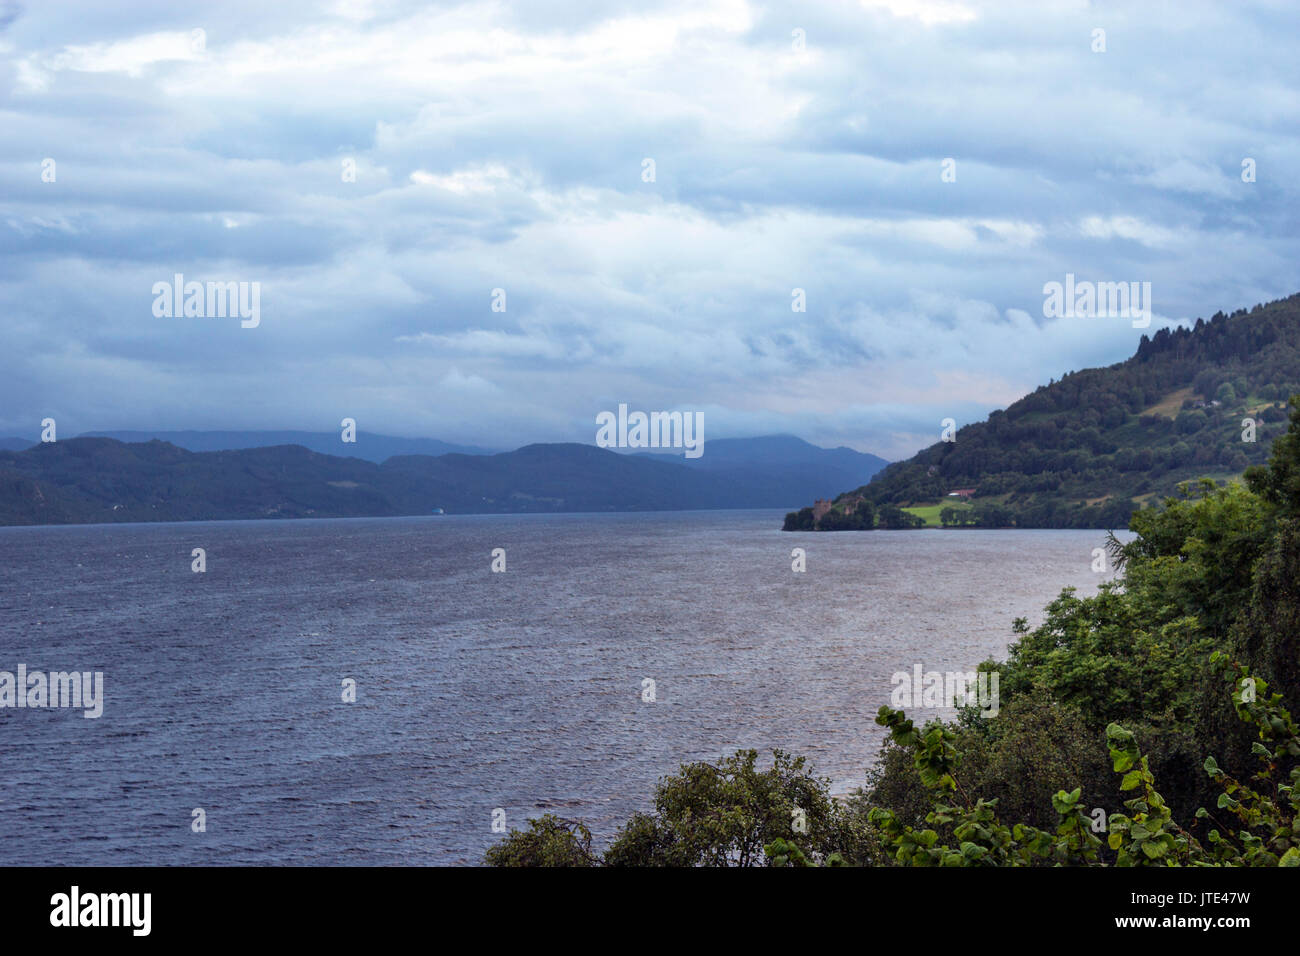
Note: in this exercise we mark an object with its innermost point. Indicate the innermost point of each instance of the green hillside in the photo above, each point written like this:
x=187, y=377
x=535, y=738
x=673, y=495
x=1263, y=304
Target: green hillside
x=1087, y=450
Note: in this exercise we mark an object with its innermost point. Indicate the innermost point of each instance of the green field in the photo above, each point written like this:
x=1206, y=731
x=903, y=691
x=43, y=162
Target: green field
x=930, y=513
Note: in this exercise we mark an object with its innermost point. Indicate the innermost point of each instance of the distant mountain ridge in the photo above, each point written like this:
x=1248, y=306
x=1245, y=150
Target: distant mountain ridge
x=90, y=479
x=772, y=450
x=1087, y=450
x=370, y=446
x=783, y=461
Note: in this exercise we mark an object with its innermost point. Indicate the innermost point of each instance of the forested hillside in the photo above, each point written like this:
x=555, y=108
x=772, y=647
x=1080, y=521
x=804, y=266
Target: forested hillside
x=1087, y=450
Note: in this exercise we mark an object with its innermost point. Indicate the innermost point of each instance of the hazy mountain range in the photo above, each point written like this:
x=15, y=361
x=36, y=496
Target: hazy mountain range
x=368, y=445
x=92, y=479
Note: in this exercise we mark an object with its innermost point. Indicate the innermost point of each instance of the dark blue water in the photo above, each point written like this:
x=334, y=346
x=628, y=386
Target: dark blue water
x=522, y=690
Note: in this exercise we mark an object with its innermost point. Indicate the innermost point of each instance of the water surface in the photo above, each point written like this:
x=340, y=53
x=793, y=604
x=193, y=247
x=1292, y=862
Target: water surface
x=476, y=690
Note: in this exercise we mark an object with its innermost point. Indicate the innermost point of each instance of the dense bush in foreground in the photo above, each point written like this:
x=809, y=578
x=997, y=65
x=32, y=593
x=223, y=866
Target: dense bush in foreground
x=1252, y=823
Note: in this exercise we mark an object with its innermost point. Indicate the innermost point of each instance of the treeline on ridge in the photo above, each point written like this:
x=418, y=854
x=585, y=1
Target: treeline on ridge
x=1088, y=450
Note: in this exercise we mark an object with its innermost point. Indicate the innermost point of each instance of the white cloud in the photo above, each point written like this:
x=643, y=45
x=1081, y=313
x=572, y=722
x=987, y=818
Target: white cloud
x=457, y=381
x=131, y=57
x=464, y=182
x=929, y=12
x=1127, y=227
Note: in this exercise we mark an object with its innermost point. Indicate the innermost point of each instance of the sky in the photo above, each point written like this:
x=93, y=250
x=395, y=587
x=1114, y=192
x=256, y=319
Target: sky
x=920, y=169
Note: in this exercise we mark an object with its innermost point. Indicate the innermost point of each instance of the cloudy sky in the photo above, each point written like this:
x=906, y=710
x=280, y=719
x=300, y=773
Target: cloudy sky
x=503, y=145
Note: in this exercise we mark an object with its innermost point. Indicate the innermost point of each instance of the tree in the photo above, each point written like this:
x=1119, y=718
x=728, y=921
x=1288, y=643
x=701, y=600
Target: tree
x=548, y=841
x=1268, y=631
x=892, y=516
x=1279, y=482
x=801, y=520
x=1195, y=556
x=724, y=815
x=988, y=514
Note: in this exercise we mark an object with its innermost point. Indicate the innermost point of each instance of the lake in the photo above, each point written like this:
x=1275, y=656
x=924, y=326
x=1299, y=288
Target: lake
x=475, y=690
